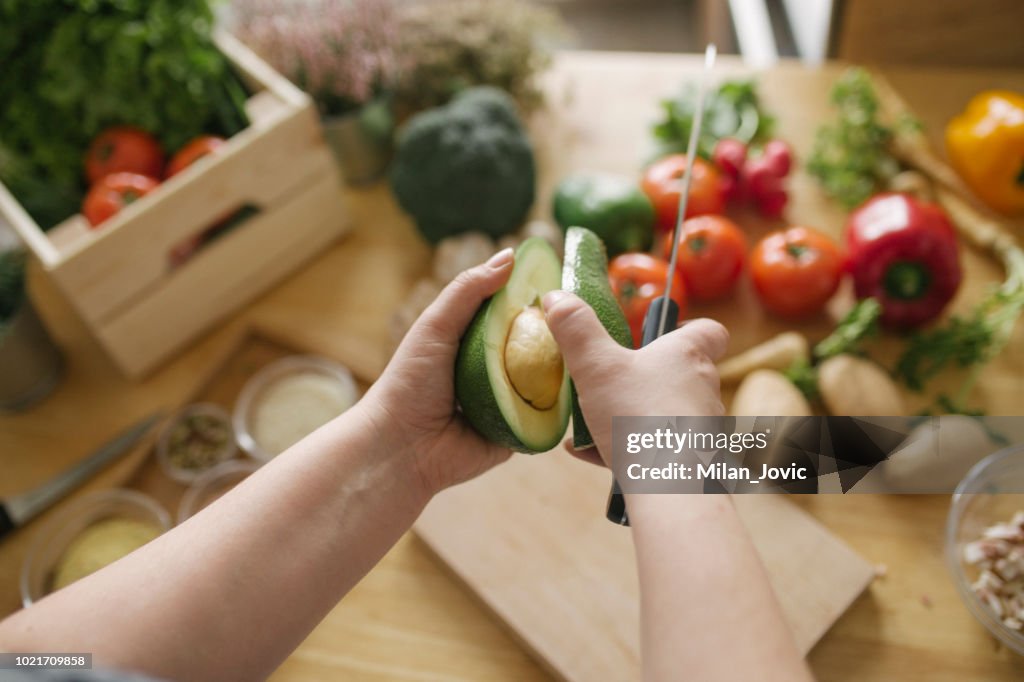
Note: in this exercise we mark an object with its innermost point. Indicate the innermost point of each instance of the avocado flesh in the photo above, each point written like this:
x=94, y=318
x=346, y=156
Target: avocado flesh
x=489, y=399
x=585, y=273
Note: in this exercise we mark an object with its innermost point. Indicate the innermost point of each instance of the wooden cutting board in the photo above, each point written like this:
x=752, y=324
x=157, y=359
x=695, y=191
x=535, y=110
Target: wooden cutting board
x=530, y=539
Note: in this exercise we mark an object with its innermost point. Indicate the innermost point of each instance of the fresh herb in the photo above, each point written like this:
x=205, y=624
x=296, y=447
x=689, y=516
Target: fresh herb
x=732, y=110
x=851, y=157
x=74, y=67
x=967, y=341
x=858, y=325
x=804, y=376
x=12, y=285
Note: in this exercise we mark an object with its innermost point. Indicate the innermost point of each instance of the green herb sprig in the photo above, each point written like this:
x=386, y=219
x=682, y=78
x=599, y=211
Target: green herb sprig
x=851, y=157
x=857, y=326
x=733, y=109
x=967, y=341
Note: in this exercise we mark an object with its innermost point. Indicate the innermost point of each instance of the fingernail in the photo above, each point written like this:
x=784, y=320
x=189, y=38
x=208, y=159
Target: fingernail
x=500, y=260
x=553, y=297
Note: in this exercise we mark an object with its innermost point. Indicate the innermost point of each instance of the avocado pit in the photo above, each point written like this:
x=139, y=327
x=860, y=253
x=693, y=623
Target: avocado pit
x=533, y=362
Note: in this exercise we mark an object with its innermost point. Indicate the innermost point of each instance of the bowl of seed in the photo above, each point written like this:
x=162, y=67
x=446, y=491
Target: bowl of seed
x=195, y=440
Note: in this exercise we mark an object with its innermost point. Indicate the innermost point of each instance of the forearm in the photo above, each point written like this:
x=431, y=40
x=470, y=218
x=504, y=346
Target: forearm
x=707, y=609
x=231, y=592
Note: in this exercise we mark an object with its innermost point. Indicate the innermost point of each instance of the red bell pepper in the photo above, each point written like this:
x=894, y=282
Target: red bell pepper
x=904, y=253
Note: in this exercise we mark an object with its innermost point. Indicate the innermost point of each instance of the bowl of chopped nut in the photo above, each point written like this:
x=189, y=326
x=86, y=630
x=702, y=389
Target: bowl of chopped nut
x=985, y=544
x=195, y=440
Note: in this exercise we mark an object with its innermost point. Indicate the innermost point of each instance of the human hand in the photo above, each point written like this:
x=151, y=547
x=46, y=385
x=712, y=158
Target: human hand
x=675, y=375
x=412, y=405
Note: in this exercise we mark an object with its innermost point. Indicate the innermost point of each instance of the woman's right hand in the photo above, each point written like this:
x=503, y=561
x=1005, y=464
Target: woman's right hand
x=675, y=375
x=692, y=550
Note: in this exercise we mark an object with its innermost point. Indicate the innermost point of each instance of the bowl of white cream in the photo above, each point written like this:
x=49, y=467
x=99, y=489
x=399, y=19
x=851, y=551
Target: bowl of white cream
x=289, y=399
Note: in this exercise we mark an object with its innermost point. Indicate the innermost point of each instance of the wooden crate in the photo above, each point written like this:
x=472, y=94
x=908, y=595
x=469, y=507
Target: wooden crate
x=120, y=278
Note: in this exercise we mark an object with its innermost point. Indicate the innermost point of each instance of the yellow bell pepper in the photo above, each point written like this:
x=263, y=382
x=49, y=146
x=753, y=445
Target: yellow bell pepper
x=986, y=145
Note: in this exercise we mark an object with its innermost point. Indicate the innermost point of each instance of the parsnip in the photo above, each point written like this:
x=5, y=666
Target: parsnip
x=909, y=143
x=778, y=352
x=853, y=386
x=914, y=183
x=979, y=229
x=767, y=392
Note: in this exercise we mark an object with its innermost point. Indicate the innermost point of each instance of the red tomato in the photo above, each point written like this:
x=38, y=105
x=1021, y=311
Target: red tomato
x=663, y=183
x=123, y=150
x=114, y=192
x=796, y=271
x=712, y=253
x=637, y=279
x=192, y=152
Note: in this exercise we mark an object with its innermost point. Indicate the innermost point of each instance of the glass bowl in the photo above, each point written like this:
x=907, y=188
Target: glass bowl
x=212, y=484
x=185, y=474
x=53, y=539
x=991, y=493
x=252, y=392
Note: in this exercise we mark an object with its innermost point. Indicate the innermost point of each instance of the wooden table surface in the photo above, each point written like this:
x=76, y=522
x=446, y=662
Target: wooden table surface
x=409, y=619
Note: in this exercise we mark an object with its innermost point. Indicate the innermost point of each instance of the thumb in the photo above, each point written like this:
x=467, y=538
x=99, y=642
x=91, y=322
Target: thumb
x=448, y=316
x=579, y=334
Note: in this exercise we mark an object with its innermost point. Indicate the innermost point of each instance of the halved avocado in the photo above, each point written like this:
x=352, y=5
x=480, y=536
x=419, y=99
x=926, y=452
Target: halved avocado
x=585, y=273
x=509, y=376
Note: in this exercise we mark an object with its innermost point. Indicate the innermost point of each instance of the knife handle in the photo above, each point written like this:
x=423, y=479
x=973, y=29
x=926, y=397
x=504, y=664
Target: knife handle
x=6, y=523
x=616, y=509
x=653, y=319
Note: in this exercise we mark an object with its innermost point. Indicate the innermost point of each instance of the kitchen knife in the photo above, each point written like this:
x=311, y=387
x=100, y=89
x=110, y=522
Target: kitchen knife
x=663, y=313
x=19, y=509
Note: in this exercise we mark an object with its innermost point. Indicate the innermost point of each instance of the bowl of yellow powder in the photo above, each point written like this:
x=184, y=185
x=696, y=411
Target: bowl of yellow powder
x=94, y=531
x=289, y=399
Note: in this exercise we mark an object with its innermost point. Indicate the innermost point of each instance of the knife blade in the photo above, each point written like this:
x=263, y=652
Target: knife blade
x=19, y=509
x=663, y=313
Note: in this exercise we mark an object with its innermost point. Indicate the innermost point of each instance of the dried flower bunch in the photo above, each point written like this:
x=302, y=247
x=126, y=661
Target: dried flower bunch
x=453, y=44
x=342, y=52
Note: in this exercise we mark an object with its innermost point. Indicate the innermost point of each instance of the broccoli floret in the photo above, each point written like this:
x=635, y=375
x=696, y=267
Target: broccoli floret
x=466, y=166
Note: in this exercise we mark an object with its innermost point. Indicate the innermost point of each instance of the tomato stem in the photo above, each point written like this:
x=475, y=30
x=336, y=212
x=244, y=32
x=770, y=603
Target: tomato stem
x=629, y=290
x=796, y=250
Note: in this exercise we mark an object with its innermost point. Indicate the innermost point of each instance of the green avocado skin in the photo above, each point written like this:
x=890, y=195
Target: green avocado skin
x=612, y=206
x=478, y=392
x=585, y=273
x=473, y=389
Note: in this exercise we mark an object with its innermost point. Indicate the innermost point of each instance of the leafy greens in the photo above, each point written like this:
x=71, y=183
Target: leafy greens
x=74, y=67
x=852, y=157
x=733, y=109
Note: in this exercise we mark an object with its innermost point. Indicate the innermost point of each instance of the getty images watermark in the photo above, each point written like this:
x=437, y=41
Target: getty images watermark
x=803, y=454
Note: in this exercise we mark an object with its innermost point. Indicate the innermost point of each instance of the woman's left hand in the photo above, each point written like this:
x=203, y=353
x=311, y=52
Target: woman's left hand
x=412, y=405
